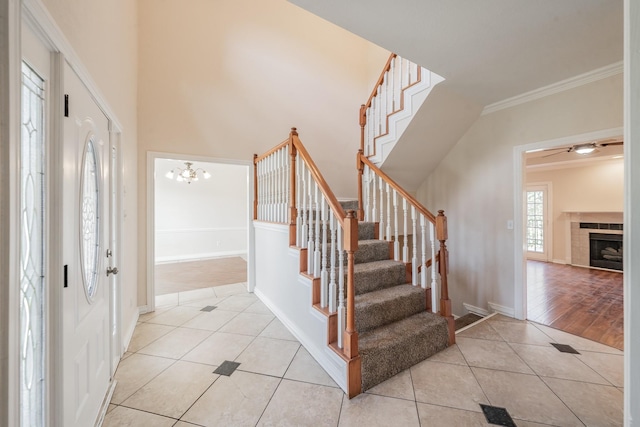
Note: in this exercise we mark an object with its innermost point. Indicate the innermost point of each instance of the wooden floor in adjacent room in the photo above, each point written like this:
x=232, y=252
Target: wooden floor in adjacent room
x=189, y=275
x=582, y=301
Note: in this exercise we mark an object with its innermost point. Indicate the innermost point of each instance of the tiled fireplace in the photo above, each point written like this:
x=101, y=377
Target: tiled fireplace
x=596, y=239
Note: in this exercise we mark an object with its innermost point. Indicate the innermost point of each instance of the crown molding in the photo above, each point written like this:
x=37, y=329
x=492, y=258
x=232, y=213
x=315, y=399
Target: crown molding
x=561, y=86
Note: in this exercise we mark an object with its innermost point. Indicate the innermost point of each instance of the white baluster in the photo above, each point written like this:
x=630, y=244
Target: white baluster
x=407, y=76
x=400, y=74
x=332, y=277
x=278, y=173
x=365, y=184
x=396, y=243
x=381, y=229
x=392, y=72
x=379, y=111
x=298, y=204
x=405, y=246
x=311, y=245
x=434, y=285
x=303, y=195
x=324, y=276
x=414, y=259
x=316, y=257
x=370, y=127
x=373, y=193
x=388, y=234
x=423, y=237
x=342, y=313
x=285, y=192
x=268, y=187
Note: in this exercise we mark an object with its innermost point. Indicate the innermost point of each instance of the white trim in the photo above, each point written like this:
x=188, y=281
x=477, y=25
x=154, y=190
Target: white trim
x=519, y=177
x=559, y=261
x=150, y=241
x=471, y=325
x=198, y=230
x=10, y=86
x=198, y=257
x=476, y=310
x=631, y=212
x=104, y=407
x=271, y=226
x=131, y=328
x=501, y=309
x=561, y=86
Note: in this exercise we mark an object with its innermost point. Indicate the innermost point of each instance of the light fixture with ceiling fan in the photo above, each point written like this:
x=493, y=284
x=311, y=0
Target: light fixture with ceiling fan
x=586, y=148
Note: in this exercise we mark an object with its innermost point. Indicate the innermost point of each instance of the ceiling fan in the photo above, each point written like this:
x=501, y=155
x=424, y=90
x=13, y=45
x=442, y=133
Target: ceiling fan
x=585, y=148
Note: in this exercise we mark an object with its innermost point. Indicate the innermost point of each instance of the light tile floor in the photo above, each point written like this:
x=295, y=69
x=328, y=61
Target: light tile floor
x=166, y=378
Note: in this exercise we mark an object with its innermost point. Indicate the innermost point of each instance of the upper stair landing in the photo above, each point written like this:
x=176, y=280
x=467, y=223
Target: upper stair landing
x=400, y=91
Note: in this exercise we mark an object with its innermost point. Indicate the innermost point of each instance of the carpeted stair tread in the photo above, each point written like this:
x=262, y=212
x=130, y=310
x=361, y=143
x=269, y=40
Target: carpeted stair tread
x=366, y=230
x=371, y=250
x=392, y=348
x=349, y=205
x=384, y=306
x=375, y=275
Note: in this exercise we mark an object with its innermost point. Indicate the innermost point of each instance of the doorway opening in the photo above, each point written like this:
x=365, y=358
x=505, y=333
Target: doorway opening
x=200, y=238
x=560, y=287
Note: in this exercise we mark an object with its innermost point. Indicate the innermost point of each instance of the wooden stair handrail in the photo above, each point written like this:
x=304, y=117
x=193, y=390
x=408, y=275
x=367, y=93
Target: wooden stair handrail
x=412, y=200
x=335, y=206
x=380, y=80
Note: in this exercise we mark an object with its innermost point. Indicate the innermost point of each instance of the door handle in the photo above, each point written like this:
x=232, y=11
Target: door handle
x=112, y=270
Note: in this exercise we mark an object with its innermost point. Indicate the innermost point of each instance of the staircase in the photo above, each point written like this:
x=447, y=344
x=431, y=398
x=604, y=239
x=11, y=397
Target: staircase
x=376, y=281
x=395, y=330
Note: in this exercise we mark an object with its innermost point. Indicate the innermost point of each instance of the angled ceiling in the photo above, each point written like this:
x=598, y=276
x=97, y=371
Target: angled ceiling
x=488, y=50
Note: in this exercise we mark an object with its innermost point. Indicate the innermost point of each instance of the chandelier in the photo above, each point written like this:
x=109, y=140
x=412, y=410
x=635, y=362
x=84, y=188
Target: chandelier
x=187, y=174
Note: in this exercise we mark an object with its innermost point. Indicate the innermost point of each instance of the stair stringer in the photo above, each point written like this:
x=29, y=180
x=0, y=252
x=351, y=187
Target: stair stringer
x=413, y=98
x=288, y=294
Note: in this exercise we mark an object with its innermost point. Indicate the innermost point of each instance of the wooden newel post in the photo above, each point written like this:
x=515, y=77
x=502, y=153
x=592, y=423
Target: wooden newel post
x=293, y=210
x=443, y=267
x=350, y=344
x=360, y=167
x=255, y=187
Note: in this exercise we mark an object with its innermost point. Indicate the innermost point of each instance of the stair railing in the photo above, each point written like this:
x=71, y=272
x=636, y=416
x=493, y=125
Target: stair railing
x=290, y=189
x=398, y=75
x=396, y=213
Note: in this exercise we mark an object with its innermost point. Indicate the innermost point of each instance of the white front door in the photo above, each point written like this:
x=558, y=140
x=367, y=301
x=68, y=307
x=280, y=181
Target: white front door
x=85, y=209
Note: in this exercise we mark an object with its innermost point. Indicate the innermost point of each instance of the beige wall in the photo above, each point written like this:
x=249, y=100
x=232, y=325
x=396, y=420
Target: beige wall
x=104, y=36
x=596, y=187
x=474, y=184
x=229, y=78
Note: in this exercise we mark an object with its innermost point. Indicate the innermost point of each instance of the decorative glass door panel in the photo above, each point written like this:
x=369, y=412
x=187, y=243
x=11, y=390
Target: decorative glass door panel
x=32, y=249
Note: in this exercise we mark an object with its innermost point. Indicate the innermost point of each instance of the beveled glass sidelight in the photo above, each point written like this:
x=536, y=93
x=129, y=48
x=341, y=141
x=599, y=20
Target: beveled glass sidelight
x=89, y=219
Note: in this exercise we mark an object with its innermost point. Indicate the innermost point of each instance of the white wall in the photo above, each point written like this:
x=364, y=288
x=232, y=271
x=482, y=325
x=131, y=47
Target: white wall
x=595, y=187
x=229, y=78
x=204, y=219
x=474, y=184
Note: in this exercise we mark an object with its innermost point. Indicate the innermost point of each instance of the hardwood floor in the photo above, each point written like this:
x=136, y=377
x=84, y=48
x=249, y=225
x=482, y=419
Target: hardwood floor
x=581, y=301
x=186, y=276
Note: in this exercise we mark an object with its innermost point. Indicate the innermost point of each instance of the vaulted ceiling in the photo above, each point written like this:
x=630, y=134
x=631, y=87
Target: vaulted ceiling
x=488, y=50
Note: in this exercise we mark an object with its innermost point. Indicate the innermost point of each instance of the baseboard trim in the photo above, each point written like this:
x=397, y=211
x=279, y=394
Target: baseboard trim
x=330, y=362
x=199, y=257
x=476, y=323
x=501, y=309
x=560, y=261
x=476, y=310
x=129, y=333
x=104, y=407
